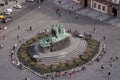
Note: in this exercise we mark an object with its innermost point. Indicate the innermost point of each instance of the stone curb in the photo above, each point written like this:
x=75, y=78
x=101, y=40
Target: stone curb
x=77, y=69
x=95, y=57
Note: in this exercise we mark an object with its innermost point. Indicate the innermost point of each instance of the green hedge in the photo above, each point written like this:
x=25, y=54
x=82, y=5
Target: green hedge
x=91, y=51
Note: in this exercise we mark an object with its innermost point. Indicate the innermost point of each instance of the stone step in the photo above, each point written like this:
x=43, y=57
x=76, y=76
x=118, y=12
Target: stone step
x=63, y=58
x=57, y=53
x=65, y=54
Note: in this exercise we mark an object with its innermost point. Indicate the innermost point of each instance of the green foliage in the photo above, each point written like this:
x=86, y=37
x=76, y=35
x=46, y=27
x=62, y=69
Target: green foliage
x=91, y=51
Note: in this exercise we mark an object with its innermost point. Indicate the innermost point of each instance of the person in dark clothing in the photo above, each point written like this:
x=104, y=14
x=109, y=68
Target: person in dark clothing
x=109, y=73
x=18, y=26
x=30, y=28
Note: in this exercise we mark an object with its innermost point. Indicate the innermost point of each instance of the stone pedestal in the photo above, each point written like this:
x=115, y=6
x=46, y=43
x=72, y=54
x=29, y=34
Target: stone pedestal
x=56, y=46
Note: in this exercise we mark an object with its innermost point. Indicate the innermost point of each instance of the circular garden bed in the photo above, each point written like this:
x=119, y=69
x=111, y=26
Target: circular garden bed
x=91, y=51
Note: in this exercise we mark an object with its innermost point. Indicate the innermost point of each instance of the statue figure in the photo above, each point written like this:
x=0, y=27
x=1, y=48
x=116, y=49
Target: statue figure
x=59, y=29
x=62, y=29
x=54, y=33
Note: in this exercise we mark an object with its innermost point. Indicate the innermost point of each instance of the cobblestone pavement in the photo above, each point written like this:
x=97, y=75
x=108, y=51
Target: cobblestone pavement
x=42, y=18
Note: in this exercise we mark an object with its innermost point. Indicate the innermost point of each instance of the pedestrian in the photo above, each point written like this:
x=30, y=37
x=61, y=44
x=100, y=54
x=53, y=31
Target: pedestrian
x=17, y=36
x=41, y=0
x=69, y=12
x=102, y=66
x=116, y=58
x=104, y=37
x=111, y=65
x=11, y=55
x=39, y=7
x=111, y=59
x=59, y=2
x=57, y=10
x=72, y=7
x=3, y=37
x=109, y=73
x=18, y=26
x=70, y=74
x=25, y=78
x=76, y=16
x=94, y=30
x=59, y=14
x=1, y=46
x=16, y=1
x=30, y=28
x=14, y=47
x=38, y=1
x=103, y=50
x=5, y=28
x=83, y=67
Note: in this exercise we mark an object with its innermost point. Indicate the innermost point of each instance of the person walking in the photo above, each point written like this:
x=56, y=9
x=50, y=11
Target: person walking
x=18, y=26
x=1, y=46
x=109, y=73
x=59, y=14
x=16, y=1
x=30, y=28
x=25, y=78
x=38, y=1
x=116, y=57
x=104, y=37
x=17, y=36
x=59, y=2
x=57, y=10
x=11, y=55
x=102, y=67
x=76, y=16
x=94, y=30
x=3, y=37
x=69, y=12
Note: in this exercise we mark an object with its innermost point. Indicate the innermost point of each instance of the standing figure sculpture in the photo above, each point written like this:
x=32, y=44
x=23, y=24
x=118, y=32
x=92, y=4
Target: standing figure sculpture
x=54, y=33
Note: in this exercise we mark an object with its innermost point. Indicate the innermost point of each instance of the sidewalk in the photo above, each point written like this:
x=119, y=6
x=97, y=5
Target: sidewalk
x=76, y=7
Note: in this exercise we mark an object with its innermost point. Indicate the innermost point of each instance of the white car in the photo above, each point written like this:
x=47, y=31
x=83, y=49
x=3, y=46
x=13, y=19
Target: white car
x=8, y=11
x=29, y=0
x=81, y=36
x=17, y=6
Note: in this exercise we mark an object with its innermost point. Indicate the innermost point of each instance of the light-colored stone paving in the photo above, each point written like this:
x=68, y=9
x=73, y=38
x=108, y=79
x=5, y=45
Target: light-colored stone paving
x=68, y=5
x=62, y=1
x=93, y=14
x=84, y=11
x=102, y=17
x=75, y=7
x=118, y=24
x=114, y=21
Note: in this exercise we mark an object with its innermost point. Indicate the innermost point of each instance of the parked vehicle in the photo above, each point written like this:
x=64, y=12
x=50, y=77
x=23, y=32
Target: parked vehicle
x=17, y=6
x=81, y=36
x=8, y=11
x=2, y=16
x=6, y=19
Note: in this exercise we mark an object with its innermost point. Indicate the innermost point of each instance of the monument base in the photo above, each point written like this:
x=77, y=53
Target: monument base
x=56, y=46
